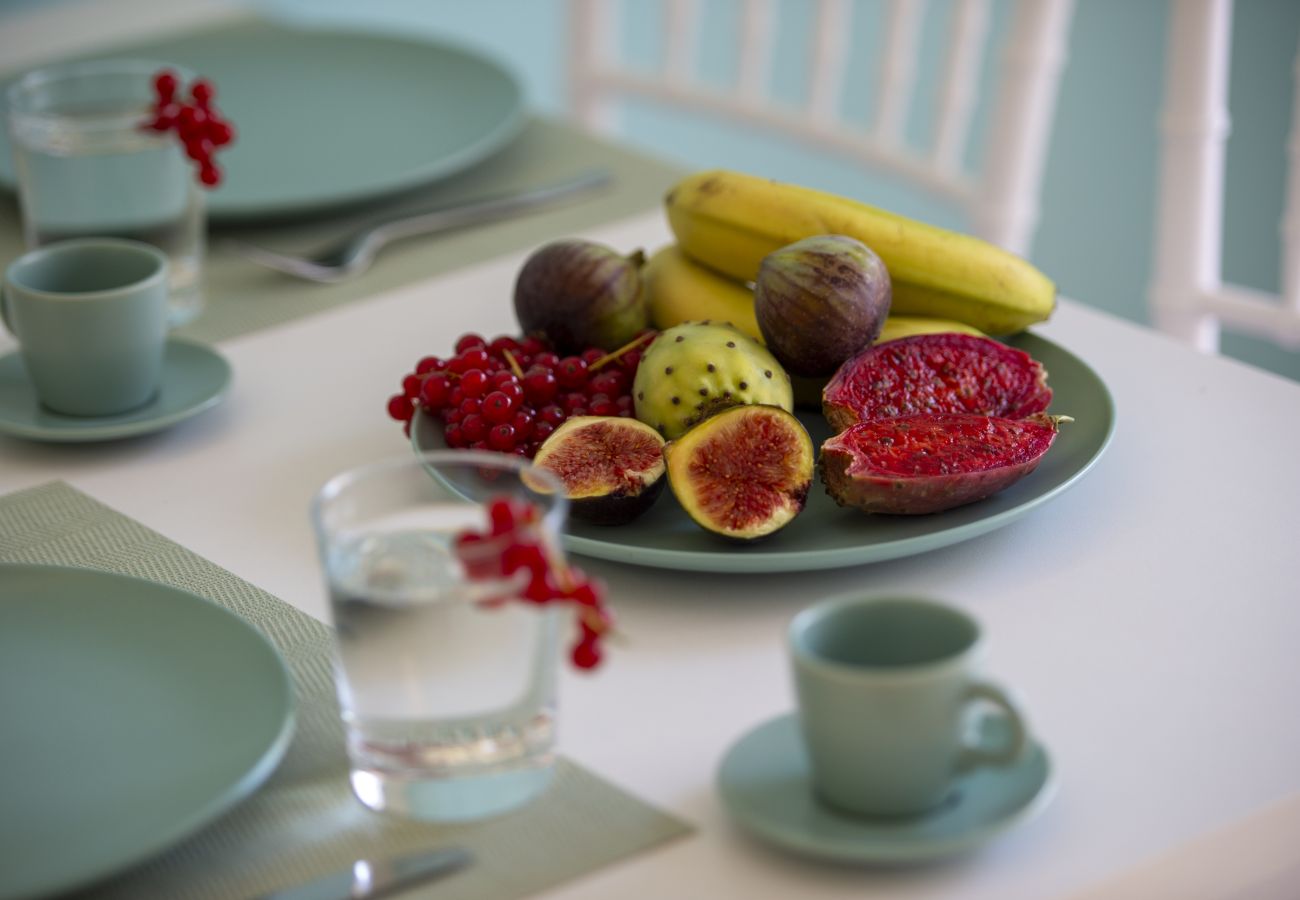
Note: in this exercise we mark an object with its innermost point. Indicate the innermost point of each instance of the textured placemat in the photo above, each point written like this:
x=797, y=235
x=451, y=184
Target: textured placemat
x=304, y=821
x=243, y=298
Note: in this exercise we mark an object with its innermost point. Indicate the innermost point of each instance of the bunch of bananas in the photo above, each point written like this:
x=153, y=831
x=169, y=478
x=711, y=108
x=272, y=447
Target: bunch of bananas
x=727, y=222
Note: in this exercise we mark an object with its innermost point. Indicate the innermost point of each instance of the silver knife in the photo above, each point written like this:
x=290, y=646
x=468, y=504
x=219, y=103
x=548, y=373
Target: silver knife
x=368, y=878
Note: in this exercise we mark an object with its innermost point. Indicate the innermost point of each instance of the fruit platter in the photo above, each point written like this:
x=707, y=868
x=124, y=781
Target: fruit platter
x=831, y=386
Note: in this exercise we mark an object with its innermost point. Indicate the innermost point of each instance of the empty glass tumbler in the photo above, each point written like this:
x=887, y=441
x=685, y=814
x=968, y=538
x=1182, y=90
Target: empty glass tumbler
x=87, y=168
x=446, y=678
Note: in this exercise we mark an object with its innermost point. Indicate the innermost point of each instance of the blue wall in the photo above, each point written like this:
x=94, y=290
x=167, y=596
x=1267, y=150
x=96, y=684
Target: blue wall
x=1099, y=189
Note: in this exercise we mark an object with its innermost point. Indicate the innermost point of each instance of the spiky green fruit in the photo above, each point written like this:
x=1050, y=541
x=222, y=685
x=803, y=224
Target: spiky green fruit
x=695, y=369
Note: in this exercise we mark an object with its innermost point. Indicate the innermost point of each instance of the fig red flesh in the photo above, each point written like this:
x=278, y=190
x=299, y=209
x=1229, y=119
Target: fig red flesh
x=927, y=463
x=936, y=373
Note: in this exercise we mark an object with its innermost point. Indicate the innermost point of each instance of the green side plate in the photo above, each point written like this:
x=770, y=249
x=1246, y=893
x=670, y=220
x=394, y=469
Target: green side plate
x=133, y=714
x=766, y=786
x=826, y=536
x=195, y=377
x=330, y=117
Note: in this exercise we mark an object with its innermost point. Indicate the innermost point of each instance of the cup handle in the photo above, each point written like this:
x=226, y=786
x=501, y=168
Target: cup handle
x=973, y=755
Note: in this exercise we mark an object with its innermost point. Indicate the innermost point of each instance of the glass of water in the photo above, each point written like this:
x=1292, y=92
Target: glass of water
x=445, y=677
x=86, y=167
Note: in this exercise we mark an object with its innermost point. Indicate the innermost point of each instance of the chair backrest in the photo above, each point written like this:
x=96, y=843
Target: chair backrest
x=1188, y=296
x=1000, y=200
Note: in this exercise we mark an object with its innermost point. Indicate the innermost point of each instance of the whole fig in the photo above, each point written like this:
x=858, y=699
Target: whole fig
x=819, y=301
x=580, y=294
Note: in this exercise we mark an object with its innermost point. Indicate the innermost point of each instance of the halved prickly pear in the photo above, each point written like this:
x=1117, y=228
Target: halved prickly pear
x=744, y=472
x=612, y=468
x=926, y=463
x=936, y=373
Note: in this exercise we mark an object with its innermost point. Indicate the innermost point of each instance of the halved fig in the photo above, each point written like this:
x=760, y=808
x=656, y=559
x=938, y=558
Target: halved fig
x=936, y=373
x=744, y=472
x=912, y=465
x=612, y=468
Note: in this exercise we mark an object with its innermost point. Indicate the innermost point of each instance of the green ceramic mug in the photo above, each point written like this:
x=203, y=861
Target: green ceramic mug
x=884, y=689
x=90, y=316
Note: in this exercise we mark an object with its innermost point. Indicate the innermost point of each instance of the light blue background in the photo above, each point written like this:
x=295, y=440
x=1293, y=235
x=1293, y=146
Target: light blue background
x=1095, y=233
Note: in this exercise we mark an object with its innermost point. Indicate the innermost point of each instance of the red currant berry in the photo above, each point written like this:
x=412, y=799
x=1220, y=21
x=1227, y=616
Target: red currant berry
x=499, y=407
x=571, y=372
x=501, y=437
x=199, y=149
x=165, y=84
x=429, y=364
x=435, y=392
x=542, y=430
x=452, y=415
x=202, y=91
x=514, y=390
x=570, y=402
x=210, y=175
x=400, y=407
x=505, y=376
x=546, y=359
x=625, y=405
x=601, y=405
x=523, y=426
x=474, y=358
x=586, y=655
x=591, y=354
x=474, y=427
x=533, y=345
x=552, y=415
x=469, y=341
x=455, y=437
x=219, y=132
x=457, y=396
x=411, y=386
x=540, y=386
x=609, y=381
x=502, y=343
x=471, y=405
x=630, y=360
x=474, y=383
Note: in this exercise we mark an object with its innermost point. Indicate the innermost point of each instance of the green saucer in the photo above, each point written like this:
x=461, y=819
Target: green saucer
x=766, y=786
x=195, y=378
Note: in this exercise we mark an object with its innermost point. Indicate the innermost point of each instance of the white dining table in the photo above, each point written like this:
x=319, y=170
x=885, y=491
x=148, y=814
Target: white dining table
x=1148, y=618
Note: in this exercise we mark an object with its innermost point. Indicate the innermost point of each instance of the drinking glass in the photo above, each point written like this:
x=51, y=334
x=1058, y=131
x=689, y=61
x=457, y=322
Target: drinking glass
x=446, y=681
x=87, y=168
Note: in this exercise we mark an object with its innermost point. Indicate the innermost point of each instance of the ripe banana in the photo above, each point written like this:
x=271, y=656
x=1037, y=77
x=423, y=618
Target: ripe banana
x=682, y=290
x=730, y=221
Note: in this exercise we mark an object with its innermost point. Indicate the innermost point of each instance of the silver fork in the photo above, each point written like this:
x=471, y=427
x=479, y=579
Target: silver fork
x=354, y=254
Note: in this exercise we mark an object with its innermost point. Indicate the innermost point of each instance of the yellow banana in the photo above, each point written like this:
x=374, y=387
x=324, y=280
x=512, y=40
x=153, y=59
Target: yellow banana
x=729, y=221
x=682, y=290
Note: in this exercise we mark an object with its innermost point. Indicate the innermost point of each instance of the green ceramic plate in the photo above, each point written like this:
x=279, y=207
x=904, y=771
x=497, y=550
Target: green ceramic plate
x=133, y=714
x=826, y=536
x=330, y=117
x=766, y=786
x=195, y=378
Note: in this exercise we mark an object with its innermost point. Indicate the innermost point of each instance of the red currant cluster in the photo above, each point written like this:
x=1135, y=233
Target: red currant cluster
x=198, y=122
x=509, y=394
x=550, y=580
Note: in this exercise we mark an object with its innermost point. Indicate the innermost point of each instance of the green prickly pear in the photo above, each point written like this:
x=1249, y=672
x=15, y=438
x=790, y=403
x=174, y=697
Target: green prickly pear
x=695, y=369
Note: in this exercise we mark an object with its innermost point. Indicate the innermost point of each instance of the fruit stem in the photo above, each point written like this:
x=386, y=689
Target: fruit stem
x=514, y=364
x=630, y=345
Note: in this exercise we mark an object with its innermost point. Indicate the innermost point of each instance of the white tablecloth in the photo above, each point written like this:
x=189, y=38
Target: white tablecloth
x=1147, y=617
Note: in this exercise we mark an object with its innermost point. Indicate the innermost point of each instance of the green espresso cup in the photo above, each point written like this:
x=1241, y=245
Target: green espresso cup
x=885, y=689
x=90, y=316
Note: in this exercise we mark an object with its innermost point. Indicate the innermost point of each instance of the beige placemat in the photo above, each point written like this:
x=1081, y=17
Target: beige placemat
x=304, y=821
x=243, y=298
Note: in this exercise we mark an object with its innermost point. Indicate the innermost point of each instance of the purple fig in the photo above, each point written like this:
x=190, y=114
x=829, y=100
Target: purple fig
x=578, y=294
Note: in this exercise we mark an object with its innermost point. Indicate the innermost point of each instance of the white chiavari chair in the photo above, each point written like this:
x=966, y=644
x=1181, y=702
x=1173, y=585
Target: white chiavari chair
x=1189, y=298
x=1000, y=201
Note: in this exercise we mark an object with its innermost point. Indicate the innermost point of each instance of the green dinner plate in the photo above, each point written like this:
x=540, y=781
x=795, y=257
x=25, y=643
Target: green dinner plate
x=328, y=117
x=133, y=714
x=826, y=536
